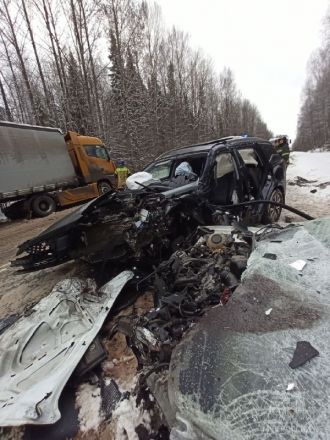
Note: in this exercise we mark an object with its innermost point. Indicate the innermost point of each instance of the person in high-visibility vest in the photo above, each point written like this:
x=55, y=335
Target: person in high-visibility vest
x=122, y=172
x=284, y=150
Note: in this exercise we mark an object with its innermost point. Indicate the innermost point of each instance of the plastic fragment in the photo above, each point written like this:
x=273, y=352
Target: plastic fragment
x=290, y=386
x=268, y=311
x=270, y=256
x=299, y=264
x=303, y=353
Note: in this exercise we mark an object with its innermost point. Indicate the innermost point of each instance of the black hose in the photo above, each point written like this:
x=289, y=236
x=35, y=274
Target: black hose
x=269, y=202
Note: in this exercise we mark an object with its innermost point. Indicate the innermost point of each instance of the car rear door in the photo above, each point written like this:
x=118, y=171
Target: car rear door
x=253, y=170
x=224, y=180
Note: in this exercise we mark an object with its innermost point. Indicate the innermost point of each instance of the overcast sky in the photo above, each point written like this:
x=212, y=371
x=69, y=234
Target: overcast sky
x=267, y=44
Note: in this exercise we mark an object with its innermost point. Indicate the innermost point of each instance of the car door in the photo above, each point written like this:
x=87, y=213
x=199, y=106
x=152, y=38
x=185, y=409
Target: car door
x=253, y=171
x=225, y=182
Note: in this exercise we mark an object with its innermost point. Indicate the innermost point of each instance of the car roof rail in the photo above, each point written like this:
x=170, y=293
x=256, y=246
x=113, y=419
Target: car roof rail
x=214, y=141
x=201, y=144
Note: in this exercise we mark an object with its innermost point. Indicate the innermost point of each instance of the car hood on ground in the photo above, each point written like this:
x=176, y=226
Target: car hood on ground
x=39, y=352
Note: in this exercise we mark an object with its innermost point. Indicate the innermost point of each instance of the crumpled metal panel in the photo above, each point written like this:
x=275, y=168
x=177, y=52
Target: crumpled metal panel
x=230, y=378
x=39, y=352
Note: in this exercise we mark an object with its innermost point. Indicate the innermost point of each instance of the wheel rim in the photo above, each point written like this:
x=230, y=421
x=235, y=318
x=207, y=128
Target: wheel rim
x=44, y=206
x=274, y=212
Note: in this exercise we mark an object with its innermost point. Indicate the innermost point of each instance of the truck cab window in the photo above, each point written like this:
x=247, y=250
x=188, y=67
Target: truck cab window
x=97, y=151
x=102, y=153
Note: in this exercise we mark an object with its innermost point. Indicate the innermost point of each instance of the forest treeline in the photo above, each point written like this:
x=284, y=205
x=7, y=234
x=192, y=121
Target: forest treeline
x=313, y=130
x=110, y=68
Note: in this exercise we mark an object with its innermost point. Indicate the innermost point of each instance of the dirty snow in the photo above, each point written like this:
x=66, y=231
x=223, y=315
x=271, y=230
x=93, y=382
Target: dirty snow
x=314, y=167
x=126, y=417
x=88, y=401
x=310, y=166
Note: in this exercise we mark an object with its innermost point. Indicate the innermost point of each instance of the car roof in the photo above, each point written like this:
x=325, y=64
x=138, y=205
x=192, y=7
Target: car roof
x=231, y=142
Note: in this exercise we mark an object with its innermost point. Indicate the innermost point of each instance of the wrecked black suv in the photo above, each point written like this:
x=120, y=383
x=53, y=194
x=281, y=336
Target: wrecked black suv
x=232, y=178
x=228, y=171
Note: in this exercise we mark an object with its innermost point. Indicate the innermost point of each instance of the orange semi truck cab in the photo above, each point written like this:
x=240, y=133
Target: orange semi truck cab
x=40, y=169
x=94, y=169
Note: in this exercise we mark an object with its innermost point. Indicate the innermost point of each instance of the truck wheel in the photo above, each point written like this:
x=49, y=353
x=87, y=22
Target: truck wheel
x=43, y=205
x=272, y=212
x=104, y=187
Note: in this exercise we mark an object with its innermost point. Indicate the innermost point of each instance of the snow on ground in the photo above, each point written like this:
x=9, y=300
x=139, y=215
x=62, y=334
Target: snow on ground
x=126, y=417
x=314, y=167
x=89, y=403
x=312, y=195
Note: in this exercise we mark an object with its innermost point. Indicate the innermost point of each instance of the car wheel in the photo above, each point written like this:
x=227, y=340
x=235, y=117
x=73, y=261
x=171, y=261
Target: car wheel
x=104, y=187
x=43, y=205
x=273, y=212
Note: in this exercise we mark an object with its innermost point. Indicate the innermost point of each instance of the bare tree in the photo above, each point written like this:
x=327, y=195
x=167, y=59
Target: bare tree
x=40, y=70
x=5, y=101
x=12, y=37
x=140, y=87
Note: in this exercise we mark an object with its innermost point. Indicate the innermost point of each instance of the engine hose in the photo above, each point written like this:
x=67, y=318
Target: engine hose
x=269, y=202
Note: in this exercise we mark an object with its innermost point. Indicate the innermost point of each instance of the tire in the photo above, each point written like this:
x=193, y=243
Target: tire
x=43, y=205
x=272, y=212
x=104, y=187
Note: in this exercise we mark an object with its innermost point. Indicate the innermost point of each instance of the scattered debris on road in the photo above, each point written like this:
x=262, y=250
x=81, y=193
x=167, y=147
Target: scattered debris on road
x=290, y=387
x=303, y=353
x=299, y=264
